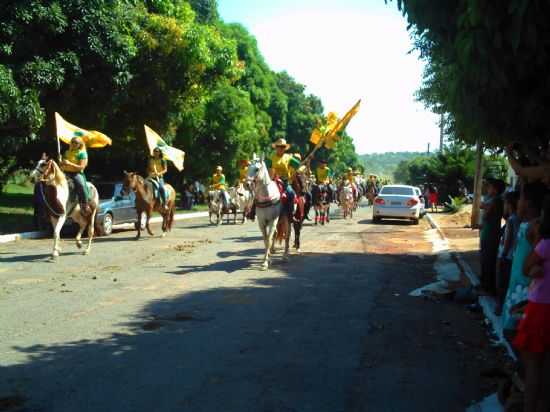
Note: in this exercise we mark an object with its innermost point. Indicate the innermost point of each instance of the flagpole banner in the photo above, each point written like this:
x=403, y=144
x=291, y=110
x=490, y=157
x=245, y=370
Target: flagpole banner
x=176, y=156
x=91, y=138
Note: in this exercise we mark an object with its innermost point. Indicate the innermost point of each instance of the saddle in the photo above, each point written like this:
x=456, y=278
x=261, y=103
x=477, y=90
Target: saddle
x=154, y=185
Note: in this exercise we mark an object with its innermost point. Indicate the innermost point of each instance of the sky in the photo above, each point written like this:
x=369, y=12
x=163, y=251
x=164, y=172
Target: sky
x=344, y=50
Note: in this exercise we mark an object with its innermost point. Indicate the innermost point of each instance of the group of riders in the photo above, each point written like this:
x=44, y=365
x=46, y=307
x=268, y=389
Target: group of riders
x=282, y=166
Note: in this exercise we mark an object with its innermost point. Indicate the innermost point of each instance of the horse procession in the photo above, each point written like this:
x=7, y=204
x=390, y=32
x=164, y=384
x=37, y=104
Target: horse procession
x=278, y=191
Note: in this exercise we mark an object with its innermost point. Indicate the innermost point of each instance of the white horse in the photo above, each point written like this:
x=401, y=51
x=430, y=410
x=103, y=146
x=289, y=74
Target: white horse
x=216, y=208
x=268, y=204
x=59, y=204
x=347, y=200
x=242, y=198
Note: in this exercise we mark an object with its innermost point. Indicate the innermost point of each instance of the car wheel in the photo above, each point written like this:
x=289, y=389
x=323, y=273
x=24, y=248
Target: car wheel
x=415, y=221
x=106, y=227
x=375, y=220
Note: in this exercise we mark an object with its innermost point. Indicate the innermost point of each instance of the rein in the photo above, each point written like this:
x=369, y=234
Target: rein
x=53, y=212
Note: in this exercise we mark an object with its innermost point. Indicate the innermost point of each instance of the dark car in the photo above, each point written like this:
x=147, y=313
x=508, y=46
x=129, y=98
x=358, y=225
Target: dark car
x=114, y=207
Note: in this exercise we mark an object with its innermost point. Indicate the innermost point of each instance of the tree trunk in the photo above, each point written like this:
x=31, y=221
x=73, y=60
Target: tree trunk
x=478, y=182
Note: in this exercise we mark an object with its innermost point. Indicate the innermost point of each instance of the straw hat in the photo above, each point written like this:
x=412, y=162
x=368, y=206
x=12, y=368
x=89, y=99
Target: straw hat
x=281, y=143
x=350, y=169
x=219, y=168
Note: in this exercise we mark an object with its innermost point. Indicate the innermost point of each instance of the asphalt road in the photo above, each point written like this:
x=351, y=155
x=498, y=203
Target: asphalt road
x=190, y=323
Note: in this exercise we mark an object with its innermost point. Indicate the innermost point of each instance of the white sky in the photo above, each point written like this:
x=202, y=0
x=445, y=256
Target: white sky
x=342, y=51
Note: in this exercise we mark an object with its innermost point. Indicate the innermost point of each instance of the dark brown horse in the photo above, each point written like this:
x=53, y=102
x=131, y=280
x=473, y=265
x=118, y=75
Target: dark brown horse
x=147, y=202
x=299, y=186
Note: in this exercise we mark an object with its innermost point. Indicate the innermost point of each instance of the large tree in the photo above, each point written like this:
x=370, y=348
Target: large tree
x=487, y=65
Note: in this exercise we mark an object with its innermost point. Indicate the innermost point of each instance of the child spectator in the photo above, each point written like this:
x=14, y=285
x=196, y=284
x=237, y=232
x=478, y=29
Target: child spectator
x=528, y=213
x=506, y=248
x=533, y=336
x=490, y=234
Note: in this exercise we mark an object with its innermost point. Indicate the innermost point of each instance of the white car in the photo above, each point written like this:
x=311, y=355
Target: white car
x=397, y=202
x=422, y=201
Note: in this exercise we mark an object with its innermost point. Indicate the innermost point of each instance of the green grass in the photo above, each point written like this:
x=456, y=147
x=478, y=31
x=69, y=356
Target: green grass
x=16, y=208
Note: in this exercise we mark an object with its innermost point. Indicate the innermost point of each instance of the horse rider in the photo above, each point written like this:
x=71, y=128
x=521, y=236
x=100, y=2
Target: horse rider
x=73, y=164
x=156, y=169
x=282, y=166
x=218, y=183
x=243, y=171
x=350, y=177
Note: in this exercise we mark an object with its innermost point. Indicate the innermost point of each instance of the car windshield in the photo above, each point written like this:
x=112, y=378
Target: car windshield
x=105, y=190
x=396, y=190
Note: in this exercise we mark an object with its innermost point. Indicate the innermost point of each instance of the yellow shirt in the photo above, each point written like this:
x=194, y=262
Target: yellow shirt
x=283, y=165
x=156, y=166
x=74, y=156
x=322, y=175
x=218, y=181
x=243, y=173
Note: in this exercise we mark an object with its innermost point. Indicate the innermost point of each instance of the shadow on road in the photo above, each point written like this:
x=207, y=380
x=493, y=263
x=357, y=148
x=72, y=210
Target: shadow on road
x=281, y=341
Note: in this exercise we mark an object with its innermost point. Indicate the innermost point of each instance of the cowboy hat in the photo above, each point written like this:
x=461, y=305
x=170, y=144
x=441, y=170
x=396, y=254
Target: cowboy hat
x=350, y=169
x=323, y=161
x=219, y=168
x=281, y=143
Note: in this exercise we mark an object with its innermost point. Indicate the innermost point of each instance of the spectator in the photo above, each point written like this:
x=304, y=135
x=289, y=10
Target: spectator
x=506, y=248
x=490, y=234
x=434, y=197
x=533, y=335
x=426, y=196
x=528, y=213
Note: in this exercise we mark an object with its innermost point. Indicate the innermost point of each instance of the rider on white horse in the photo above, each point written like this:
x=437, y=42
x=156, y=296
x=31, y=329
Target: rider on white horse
x=218, y=183
x=282, y=165
x=73, y=164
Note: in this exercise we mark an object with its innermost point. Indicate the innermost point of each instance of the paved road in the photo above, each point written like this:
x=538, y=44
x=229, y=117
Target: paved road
x=191, y=323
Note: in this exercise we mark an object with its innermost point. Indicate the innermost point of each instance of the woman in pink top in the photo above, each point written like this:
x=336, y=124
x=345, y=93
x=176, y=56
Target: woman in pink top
x=533, y=335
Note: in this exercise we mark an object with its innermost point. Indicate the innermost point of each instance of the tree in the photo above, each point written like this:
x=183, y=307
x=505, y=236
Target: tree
x=487, y=65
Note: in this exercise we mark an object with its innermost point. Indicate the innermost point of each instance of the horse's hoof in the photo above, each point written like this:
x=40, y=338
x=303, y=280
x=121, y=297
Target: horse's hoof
x=163, y=234
x=79, y=244
x=285, y=257
x=86, y=252
x=265, y=266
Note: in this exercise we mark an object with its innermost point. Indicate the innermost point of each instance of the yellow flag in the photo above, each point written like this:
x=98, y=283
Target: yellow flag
x=66, y=131
x=343, y=122
x=315, y=136
x=176, y=156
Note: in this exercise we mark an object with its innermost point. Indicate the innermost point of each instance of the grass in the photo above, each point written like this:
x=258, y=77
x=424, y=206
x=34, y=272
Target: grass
x=16, y=208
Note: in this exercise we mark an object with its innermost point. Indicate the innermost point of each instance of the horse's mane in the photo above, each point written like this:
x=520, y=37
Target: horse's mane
x=59, y=177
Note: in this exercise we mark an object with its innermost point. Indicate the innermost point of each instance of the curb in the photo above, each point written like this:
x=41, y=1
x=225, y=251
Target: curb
x=13, y=237
x=487, y=303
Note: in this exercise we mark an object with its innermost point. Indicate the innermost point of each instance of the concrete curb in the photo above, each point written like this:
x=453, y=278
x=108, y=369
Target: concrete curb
x=13, y=237
x=487, y=303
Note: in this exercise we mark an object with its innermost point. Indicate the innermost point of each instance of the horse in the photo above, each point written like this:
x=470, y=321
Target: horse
x=147, y=202
x=347, y=200
x=299, y=185
x=321, y=203
x=242, y=198
x=268, y=204
x=61, y=202
x=216, y=208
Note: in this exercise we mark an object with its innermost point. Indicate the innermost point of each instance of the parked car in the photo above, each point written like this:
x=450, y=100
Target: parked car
x=114, y=207
x=397, y=202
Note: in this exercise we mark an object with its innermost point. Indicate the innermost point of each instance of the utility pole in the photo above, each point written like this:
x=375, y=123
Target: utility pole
x=428, y=152
x=478, y=182
x=441, y=131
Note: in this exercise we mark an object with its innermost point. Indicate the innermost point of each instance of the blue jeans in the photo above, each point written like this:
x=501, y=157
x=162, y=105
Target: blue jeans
x=290, y=195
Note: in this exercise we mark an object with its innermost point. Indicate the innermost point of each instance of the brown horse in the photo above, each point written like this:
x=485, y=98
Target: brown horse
x=60, y=203
x=147, y=203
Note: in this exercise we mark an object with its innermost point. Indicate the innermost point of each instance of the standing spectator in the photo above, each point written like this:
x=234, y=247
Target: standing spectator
x=528, y=213
x=506, y=248
x=427, y=196
x=434, y=197
x=490, y=234
x=533, y=336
